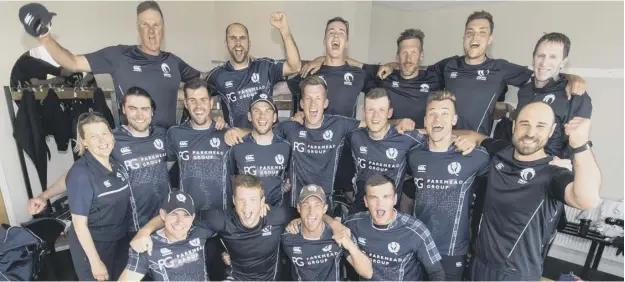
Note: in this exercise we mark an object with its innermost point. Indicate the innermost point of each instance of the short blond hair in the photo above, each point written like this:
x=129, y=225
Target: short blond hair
x=442, y=95
x=313, y=80
x=84, y=119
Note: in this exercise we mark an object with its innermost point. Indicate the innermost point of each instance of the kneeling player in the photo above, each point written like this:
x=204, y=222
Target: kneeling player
x=397, y=243
x=180, y=244
x=316, y=254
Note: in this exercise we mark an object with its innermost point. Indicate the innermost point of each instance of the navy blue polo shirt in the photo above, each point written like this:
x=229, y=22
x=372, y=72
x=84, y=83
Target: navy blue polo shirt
x=554, y=94
x=408, y=96
x=160, y=75
x=103, y=196
x=253, y=251
x=203, y=158
x=478, y=87
x=268, y=162
x=145, y=159
x=236, y=88
x=184, y=260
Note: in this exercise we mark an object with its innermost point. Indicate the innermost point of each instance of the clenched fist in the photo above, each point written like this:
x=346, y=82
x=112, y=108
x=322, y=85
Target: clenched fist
x=278, y=21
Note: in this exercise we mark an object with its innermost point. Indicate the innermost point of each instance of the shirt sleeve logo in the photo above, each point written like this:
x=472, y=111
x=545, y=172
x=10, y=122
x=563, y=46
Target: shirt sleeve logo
x=215, y=142
x=363, y=150
x=158, y=144
x=499, y=166
x=453, y=74
x=393, y=247
x=125, y=151
x=302, y=134
x=136, y=68
x=391, y=153
x=362, y=241
x=165, y=251
x=454, y=168
x=527, y=175
x=424, y=88
x=348, y=77
x=228, y=84
x=249, y=158
x=297, y=250
x=395, y=84
x=166, y=70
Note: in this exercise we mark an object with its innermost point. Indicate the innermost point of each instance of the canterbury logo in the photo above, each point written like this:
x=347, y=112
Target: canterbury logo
x=28, y=19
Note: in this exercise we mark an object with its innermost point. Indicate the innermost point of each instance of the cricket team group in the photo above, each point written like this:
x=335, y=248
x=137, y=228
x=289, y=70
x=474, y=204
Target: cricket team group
x=422, y=188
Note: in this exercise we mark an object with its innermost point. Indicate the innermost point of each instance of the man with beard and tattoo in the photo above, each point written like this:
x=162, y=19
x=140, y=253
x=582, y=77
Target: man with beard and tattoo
x=399, y=245
x=237, y=81
x=147, y=66
x=444, y=178
x=520, y=228
x=548, y=85
x=315, y=252
x=380, y=148
x=263, y=153
x=141, y=148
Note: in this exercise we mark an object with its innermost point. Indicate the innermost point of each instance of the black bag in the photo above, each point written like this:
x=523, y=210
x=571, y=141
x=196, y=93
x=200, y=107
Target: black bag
x=20, y=254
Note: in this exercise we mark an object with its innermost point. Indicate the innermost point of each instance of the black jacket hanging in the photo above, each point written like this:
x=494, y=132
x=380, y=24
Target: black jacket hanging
x=56, y=120
x=77, y=107
x=29, y=134
x=503, y=130
x=99, y=105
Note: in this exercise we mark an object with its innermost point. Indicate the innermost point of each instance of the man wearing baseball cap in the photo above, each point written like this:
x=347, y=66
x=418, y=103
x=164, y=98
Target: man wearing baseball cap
x=178, y=247
x=262, y=153
x=316, y=253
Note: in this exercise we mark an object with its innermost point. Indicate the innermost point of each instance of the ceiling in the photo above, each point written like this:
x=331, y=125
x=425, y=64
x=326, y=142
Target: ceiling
x=423, y=5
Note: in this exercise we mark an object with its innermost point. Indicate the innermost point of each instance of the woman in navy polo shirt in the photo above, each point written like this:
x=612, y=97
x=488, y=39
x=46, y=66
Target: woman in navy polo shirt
x=99, y=200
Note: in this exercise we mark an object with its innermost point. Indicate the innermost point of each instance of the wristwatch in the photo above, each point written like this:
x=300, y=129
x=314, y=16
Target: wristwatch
x=582, y=148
